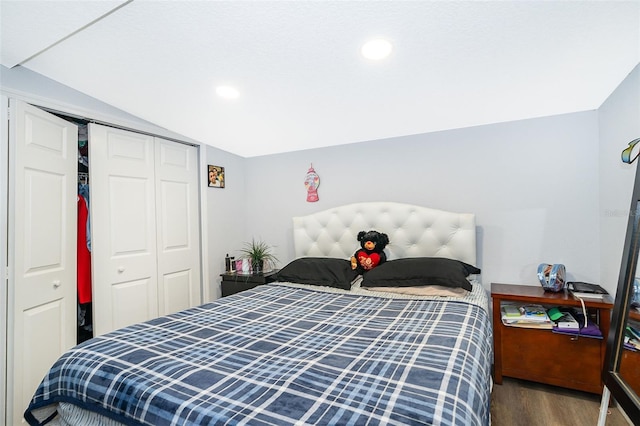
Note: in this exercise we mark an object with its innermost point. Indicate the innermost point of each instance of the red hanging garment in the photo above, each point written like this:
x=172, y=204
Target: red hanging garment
x=84, y=255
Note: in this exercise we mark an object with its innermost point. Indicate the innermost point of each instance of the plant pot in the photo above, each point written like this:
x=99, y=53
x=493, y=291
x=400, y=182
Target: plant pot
x=257, y=266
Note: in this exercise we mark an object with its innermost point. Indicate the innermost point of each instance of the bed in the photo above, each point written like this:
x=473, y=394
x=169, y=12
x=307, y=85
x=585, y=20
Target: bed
x=318, y=346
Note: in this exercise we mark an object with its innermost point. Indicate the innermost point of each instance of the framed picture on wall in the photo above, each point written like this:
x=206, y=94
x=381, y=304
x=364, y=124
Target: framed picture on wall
x=215, y=176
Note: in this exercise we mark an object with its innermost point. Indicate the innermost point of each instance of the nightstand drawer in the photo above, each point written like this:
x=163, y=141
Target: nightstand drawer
x=559, y=359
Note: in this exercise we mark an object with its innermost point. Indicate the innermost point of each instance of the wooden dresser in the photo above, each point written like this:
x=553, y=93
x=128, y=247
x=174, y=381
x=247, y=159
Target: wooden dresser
x=541, y=355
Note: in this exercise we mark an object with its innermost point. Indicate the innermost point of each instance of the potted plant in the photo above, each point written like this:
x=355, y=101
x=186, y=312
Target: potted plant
x=260, y=254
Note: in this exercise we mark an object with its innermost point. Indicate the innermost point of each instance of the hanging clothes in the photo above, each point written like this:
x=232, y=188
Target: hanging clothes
x=85, y=311
x=84, y=255
x=83, y=147
x=83, y=190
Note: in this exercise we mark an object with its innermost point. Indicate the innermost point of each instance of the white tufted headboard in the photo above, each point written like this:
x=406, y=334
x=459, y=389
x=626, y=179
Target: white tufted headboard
x=413, y=231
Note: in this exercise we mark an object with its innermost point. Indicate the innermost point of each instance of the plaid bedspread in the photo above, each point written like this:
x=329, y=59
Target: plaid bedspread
x=281, y=355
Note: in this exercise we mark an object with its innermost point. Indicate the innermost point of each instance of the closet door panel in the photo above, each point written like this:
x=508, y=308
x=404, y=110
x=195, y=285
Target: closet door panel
x=42, y=248
x=38, y=335
x=123, y=223
x=133, y=305
x=176, y=291
x=178, y=228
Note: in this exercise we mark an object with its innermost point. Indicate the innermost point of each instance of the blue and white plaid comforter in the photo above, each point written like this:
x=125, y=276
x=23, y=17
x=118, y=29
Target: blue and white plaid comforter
x=282, y=355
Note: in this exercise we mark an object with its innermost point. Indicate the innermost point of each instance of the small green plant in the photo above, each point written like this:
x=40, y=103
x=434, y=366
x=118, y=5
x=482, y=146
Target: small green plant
x=260, y=254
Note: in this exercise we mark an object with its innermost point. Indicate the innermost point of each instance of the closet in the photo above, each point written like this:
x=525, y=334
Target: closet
x=143, y=210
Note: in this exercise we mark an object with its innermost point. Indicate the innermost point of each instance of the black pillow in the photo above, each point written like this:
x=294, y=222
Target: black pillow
x=326, y=271
x=418, y=271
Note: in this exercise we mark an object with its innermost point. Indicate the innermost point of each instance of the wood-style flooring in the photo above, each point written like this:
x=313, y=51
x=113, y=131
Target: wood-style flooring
x=523, y=403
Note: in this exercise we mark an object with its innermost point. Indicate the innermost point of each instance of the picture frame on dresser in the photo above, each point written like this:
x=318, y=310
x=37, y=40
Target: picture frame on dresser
x=621, y=372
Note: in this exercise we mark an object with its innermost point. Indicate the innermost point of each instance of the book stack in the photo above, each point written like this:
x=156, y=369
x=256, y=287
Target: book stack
x=526, y=316
x=632, y=338
x=591, y=329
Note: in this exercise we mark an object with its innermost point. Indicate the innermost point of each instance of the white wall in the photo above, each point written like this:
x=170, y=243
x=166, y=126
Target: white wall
x=533, y=185
x=226, y=209
x=619, y=124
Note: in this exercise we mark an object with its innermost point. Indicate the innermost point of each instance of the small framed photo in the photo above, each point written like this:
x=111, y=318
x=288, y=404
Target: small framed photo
x=215, y=176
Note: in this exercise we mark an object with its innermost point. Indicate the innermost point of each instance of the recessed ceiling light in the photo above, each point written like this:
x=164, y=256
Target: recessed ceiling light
x=227, y=92
x=376, y=49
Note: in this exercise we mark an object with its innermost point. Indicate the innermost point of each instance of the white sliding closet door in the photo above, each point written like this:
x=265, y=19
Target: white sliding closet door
x=145, y=226
x=178, y=225
x=123, y=228
x=42, y=249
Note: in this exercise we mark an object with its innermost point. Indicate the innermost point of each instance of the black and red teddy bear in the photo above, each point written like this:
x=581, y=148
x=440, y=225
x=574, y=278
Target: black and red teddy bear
x=371, y=253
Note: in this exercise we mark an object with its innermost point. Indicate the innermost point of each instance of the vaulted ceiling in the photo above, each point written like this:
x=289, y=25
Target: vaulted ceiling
x=297, y=67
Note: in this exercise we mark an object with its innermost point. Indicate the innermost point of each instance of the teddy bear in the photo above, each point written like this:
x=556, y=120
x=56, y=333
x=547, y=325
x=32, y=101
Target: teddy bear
x=371, y=253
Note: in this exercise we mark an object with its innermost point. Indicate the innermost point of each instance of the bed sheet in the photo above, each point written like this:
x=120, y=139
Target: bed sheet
x=284, y=354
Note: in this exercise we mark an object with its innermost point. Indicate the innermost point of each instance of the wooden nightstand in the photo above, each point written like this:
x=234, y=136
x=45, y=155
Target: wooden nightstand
x=233, y=282
x=541, y=355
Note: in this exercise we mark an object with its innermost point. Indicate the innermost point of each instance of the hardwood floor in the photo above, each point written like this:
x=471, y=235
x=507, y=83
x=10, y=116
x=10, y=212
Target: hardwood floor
x=523, y=403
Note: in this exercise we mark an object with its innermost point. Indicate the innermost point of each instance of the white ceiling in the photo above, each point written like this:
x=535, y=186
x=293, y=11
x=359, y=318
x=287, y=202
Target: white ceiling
x=297, y=65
